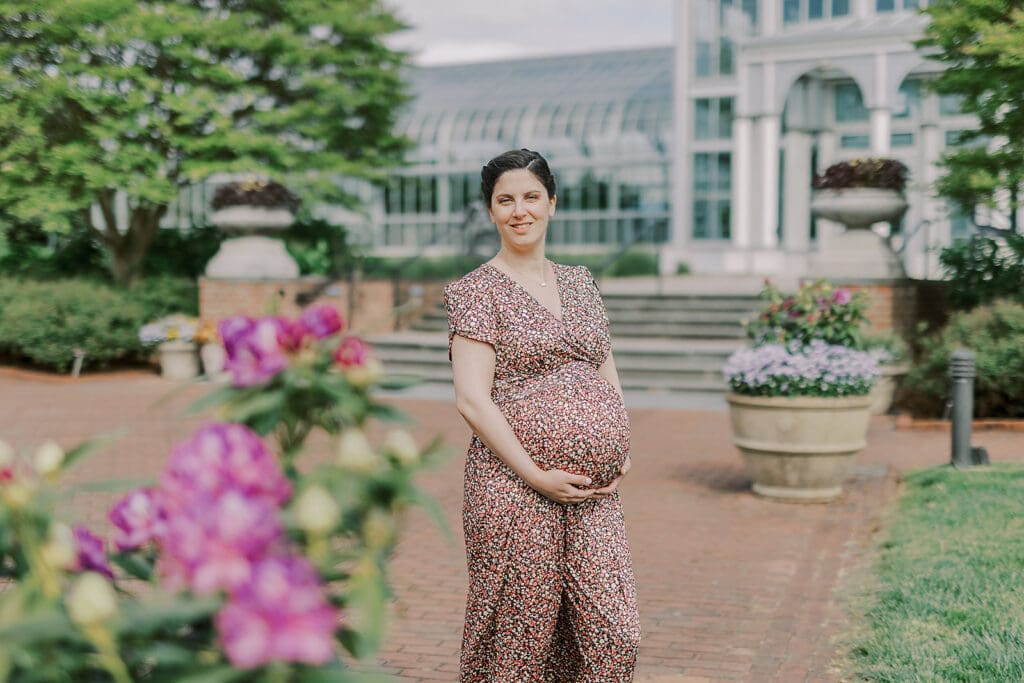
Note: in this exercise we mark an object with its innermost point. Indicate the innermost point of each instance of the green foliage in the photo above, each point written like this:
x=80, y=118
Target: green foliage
x=320, y=247
x=944, y=601
x=30, y=252
x=980, y=45
x=42, y=323
x=633, y=262
x=995, y=333
x=818, y=310
x=46, y=321
x=144, y=98
x=981, y=270
x=181, y=253
x=422, y=268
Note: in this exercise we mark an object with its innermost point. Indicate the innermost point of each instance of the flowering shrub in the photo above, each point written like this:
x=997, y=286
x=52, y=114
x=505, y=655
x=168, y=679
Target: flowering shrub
x=257, y=566
x=176, y=327
x=817, y=369
x=818, y=310
x=886, y=174
x=265, y=193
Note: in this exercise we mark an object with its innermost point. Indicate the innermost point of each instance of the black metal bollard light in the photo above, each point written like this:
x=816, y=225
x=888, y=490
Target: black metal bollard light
x=961, y=371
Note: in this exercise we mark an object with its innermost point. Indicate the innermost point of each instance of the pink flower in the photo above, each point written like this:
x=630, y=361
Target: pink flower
x=352, y=352
x=220, y=457
x=91, y=555
x=215, y=544
x=137, y=520
x=842, y=296
x=256, y=349
x=321, y=321
x=280, y=614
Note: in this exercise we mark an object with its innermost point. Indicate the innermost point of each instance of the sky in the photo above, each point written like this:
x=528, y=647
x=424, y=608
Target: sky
x=454, y=31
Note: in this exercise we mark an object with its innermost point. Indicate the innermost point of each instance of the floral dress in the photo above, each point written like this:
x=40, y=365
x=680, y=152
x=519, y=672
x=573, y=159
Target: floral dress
x=552, y=597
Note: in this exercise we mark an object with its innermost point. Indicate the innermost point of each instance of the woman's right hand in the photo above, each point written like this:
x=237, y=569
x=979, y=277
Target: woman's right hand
x=561, y=486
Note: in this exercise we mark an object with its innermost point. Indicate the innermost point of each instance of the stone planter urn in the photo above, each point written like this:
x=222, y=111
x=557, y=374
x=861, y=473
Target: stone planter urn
x=178, y=360
x=858, y=252
x=253, y=252
x=213, y=357
x=884, y=391
x=799, y=448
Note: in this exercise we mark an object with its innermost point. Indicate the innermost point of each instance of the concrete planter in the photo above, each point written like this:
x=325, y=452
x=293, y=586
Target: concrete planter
x=178, y=360
x=884, y=390
x=859, y=207
x=799, y=448
x=252, y=255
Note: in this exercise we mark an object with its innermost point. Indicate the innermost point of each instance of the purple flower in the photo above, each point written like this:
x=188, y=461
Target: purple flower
x=352, y=352
x=222, y=456
x=91, y=555
x=256, y=349
x=216, y=543
x=842, y=296
x=137, y=520
x=321, y=321
x=280, y=614
x=818, y=369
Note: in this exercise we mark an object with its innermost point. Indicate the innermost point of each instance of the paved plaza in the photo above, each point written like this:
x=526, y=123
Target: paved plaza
x=732, y=587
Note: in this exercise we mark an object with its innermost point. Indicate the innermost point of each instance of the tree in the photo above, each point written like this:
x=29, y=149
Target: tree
x=981, y=46
x=146, y=97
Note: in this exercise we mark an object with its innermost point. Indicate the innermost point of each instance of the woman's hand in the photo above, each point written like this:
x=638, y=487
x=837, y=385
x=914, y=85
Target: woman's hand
x=602, y=493
x=562, y=487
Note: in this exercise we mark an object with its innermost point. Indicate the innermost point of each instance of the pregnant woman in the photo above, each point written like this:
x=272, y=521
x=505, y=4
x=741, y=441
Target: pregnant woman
x=552, y=596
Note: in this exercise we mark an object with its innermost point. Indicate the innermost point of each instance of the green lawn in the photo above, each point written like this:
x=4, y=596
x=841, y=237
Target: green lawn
x=944, y=600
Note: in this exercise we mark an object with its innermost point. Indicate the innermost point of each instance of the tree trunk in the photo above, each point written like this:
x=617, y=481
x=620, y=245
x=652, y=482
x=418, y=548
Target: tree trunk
x=127, y=249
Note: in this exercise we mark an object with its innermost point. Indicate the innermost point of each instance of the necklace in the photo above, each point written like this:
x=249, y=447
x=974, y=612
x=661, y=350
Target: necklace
x=543, y=274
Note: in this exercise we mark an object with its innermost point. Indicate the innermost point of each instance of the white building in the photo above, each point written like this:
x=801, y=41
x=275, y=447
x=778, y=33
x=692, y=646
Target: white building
x=769, y=92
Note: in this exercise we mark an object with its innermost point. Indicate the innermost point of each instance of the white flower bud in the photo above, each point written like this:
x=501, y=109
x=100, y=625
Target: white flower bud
x=316, y=510
x=366, y=374
x=355, y=452
x=49, y=458
x=6, y=454
x=91, y=600
x=379, y=528
x=60, y=550
x=401, y=444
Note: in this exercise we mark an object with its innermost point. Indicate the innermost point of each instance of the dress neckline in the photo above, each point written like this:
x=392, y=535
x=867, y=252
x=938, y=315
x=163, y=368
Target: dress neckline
x=560, y=317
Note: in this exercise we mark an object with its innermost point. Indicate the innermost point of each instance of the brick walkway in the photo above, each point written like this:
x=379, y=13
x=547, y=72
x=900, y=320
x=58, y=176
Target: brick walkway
x=732, y=587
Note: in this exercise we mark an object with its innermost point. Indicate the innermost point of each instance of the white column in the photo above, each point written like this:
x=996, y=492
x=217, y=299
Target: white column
x=828, y=154
x=682, y=131
x=881, y=130
x=796, y=221
x=768, y=178
x=770, y=16
x=742, y=181
x=931, y=150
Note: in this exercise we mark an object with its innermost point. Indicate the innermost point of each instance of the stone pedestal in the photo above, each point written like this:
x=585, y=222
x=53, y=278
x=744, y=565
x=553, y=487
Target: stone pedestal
x=858, y=252
x=253, y=254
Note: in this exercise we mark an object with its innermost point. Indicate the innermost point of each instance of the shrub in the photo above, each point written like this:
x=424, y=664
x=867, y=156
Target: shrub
x=633, y=262
x=981, y=270
x=995, y=334
x=182, y=253
x=818, y=310
x=163, y=295
x=44, y=322
x=886, y=174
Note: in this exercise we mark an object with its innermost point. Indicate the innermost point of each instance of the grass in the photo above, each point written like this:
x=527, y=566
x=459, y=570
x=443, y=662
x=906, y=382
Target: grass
x=945, y=599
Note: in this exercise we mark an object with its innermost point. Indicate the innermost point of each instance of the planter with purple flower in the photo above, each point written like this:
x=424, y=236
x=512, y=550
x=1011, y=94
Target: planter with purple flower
x=799, y=398
x=174, y=339
x=859, y=193
x=254, y=213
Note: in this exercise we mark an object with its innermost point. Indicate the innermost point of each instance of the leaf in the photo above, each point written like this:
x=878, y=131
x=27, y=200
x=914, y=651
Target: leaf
x=144, y=618
x=388, y=413
x=398, y=381
x=336, y=674
x=110, y=486
x=212, y=399
x=133, y=565
x=435, y=511
x=91, y=446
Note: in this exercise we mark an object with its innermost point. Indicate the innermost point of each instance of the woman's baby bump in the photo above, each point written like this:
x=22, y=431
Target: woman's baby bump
x=572, y=420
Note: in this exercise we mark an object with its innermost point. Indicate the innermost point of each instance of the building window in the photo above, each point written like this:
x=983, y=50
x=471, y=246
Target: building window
x=712, y=183
x=854, y=141
x=901, y=140
x=951, y=105
x=849, y=104
x=908, y=100
x=713, y=119
x=892, y=5
x=718, y=23
x=795, y=11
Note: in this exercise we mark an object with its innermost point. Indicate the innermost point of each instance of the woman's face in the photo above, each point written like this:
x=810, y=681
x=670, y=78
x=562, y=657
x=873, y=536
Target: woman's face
x=520, y=209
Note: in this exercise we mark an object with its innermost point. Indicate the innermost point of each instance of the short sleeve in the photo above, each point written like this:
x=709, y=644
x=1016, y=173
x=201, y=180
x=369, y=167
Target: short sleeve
x=470, y=309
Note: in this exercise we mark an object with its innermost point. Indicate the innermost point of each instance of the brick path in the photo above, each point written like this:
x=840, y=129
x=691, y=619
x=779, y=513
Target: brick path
x=732, y=587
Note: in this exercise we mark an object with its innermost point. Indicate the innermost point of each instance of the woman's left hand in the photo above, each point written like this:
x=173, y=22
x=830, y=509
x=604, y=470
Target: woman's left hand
x=602, y=493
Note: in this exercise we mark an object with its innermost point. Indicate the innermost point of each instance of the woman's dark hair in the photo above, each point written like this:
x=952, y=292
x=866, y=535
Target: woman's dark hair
x=510, y=161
